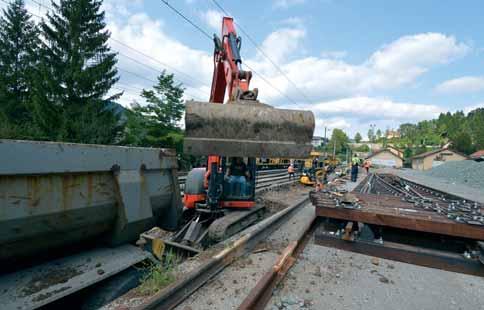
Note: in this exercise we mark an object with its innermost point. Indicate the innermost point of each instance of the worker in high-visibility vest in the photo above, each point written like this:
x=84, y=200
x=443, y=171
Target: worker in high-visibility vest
x=355, y=162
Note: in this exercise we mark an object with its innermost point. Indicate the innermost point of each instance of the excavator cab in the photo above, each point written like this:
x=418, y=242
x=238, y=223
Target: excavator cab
x=239, y=191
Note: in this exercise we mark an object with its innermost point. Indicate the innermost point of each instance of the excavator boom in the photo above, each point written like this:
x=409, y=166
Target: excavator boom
x=243, y=126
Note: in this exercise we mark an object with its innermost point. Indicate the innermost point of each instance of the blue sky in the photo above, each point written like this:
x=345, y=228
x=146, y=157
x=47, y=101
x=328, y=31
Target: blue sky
x=358, y=62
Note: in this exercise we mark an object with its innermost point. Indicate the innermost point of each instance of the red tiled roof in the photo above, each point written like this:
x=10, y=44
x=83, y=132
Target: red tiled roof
x=477, y=154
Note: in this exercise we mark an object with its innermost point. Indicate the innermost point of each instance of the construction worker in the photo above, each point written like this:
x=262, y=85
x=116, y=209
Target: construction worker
x=291, y=171
x=367, y=165
x=237, y=174
x=355, y=162
x=315, y=163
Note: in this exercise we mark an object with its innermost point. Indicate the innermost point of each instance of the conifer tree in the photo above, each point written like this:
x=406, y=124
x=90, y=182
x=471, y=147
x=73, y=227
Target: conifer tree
x=77, y=71
x=18, y=56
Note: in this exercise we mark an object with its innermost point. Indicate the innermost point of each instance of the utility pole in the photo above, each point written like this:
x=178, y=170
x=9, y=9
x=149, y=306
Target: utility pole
x=325, y=143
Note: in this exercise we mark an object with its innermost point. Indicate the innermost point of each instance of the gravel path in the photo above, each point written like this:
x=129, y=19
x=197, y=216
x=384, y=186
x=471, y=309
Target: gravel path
x=326, y=278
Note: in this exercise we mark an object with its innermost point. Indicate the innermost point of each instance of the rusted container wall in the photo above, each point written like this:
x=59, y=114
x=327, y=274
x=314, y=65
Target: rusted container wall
x=54, y=194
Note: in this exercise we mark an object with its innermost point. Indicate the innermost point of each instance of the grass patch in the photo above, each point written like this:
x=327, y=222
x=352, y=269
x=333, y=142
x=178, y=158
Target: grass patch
x=158, y=276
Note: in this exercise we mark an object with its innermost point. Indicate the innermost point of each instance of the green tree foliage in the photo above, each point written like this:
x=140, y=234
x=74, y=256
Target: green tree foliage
x=157, y=123
x=18, y=57
x=363, y=148
x=463, y=143
x=76, y=71
x=358, y=137
x=339, y=141
x=407, y=153
x=378, y=134
x=476, y=127
x=371, y=135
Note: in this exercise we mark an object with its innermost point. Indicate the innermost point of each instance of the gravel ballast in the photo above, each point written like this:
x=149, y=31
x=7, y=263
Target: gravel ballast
x=465, y=172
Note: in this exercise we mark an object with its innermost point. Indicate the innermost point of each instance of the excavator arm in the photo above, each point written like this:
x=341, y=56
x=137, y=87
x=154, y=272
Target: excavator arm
x=242, y=126
x=227, y=73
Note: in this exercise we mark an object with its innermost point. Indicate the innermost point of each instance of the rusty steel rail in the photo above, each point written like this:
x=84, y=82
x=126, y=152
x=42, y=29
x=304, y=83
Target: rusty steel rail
x=174, y=294
x=405, y=253
x=261, y=293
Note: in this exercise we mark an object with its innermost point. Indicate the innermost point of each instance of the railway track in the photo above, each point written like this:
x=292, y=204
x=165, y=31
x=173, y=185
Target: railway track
x=233, y=249
x=265, y=179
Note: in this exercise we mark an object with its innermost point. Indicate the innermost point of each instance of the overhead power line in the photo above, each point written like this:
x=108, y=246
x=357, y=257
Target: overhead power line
x=157, y=61
x=10, y=3
x=171, y=68
x=188, y=20
x=256, y=45
x=203, y=32
x=270, y=84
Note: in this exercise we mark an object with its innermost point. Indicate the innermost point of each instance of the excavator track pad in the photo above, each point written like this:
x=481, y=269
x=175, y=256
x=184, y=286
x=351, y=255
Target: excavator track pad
x=247, y=128
x=234, y=222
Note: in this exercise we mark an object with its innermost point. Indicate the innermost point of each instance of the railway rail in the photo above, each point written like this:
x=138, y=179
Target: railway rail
x=173, y=295
x=454, y=208
x=265, y=179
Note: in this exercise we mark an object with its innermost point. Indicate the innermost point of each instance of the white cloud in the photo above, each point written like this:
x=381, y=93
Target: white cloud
x=473, y=107
x=213, y=19
x=394, y=65
x=146, y=34
x=354, y=114
x=281, y=43
x=376, y=109
x=331, y=123
x=465, y=84
x=410, y=56
x=284, y=4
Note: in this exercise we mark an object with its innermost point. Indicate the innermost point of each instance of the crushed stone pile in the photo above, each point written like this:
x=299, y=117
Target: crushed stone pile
x=465, y=172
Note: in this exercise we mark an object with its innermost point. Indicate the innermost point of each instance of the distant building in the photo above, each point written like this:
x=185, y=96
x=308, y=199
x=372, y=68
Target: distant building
x=317, y=141
x=386, y=158
x=393, y=134
x=478, y=156
x=428, y=160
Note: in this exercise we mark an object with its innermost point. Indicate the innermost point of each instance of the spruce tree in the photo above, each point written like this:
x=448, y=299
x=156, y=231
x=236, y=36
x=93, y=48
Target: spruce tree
x=18, y=57
x=76, y=72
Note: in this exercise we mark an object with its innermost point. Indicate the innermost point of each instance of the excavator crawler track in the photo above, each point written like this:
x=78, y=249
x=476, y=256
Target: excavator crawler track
x=234, y=222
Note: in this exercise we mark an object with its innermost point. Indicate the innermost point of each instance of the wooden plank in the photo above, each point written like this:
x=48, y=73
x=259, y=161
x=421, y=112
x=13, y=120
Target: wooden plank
x=406, y=253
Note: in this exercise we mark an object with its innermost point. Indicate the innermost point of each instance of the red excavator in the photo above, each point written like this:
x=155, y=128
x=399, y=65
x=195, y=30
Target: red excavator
x=240, y=130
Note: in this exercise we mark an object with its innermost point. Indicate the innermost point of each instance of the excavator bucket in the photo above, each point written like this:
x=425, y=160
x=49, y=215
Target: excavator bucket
x=247, y=129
